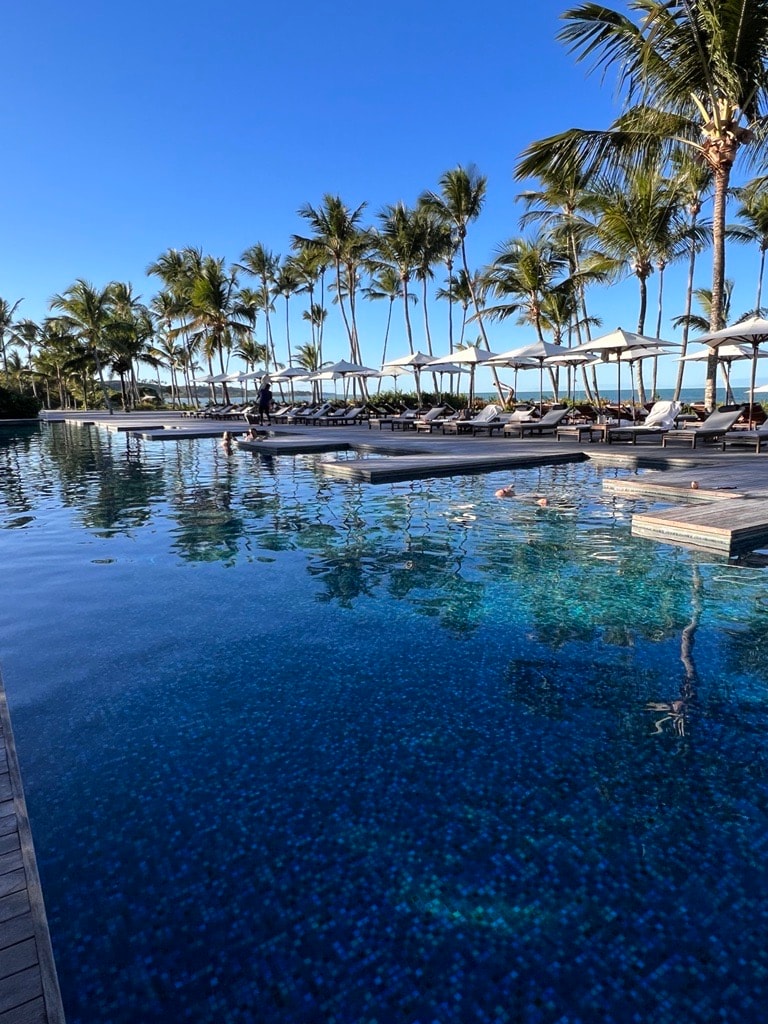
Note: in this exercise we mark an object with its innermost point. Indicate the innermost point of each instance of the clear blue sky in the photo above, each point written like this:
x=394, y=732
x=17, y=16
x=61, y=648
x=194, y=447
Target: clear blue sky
x=131, y=128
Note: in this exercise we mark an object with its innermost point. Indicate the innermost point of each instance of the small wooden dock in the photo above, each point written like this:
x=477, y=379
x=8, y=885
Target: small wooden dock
x=415, y=467
x=29, y=988
x=725, y=527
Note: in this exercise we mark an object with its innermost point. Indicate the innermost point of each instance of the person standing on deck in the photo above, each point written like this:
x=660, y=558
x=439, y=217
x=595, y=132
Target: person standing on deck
x=265, y=400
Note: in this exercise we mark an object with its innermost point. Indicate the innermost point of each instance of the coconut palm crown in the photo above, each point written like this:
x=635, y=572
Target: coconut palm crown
x=694, y=74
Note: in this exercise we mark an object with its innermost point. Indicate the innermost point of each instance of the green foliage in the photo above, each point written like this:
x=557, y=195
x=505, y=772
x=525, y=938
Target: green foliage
x=16, y=406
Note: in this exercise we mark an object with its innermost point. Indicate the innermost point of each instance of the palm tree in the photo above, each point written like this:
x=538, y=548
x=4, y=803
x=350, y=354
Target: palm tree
x=460, y=201
x=385, y=283
x=694, y=75
x=437, y=246
x=87, y=311
x=308, y=357
x=339, y=238
x=526, y=271
x=213, y=305
x=178, y=269
x=399, y=244
x=460, y=289
x=287, y=281
x=262, y=264
x=754, y=213
x=694, y=180
x=638, y=216
x=562, y=206
x=7, y=313
x=26, y=334
x=311, y=264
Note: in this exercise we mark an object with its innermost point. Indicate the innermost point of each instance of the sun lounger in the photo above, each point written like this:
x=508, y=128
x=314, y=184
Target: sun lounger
x=313, y=415
x=658, y=422
x=427, y=419
x=405, y=421
x=548, y=424
x=486, y=415
x=755, y=439
x=355, y=415
x=711, y=430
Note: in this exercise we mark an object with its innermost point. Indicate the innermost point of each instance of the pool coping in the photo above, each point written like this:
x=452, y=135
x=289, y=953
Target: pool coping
x=31, y=994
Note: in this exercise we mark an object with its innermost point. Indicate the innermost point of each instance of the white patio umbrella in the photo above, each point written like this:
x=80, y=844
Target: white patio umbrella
x=471, y=357
x=752, y=332
x=570, y=360
x=632, y=356
x=288, y=375
x=347, y=370
x=619, y=341
x=412, y=362
x=321, y=375
x=216, y=378
x=529, y=355
x=727, y=354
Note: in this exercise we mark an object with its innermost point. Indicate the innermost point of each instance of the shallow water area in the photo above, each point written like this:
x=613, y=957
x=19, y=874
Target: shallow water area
x=298, y=750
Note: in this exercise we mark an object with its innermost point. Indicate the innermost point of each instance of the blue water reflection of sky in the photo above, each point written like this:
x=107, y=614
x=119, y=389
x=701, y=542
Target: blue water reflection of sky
x=297, y=750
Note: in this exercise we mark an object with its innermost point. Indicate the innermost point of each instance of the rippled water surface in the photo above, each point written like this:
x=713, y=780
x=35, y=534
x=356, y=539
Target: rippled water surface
x=304, y=751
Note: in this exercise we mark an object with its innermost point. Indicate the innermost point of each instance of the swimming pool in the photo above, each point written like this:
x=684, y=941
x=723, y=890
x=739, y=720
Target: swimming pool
x=296, y=750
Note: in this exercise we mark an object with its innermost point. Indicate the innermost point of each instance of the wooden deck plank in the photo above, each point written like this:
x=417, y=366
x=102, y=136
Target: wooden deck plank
x=19, y=988
x=29, y=988
x=18, y=957
x=16, y=930
x=32, y=1012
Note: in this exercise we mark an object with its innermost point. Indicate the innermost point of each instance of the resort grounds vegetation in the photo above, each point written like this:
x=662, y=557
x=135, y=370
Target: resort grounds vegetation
x=600, y=205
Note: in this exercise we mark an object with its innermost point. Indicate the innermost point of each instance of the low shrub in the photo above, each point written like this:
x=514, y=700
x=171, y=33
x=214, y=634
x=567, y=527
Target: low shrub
x=16, y=406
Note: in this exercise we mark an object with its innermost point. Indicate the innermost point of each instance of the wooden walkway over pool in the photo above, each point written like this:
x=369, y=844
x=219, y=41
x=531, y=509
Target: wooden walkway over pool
x=29, y=988
x=713, y=524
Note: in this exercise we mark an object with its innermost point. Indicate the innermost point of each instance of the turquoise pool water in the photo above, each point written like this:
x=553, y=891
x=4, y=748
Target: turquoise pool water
x=303, y=751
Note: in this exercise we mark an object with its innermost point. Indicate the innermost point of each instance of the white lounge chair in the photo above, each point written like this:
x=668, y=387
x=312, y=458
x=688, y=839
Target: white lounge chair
x=659, y=420
x=486, y=415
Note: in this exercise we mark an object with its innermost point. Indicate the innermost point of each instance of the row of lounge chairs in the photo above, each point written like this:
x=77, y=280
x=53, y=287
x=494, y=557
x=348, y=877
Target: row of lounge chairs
x=662, y=426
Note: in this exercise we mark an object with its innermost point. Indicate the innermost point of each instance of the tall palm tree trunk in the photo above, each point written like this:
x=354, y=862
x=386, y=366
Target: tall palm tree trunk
x=722, y=174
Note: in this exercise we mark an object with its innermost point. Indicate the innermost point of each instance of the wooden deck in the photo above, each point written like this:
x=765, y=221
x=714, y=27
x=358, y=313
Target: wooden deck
x=29, y=988
x=725, y=527
x=701, y=520
x=413, y=467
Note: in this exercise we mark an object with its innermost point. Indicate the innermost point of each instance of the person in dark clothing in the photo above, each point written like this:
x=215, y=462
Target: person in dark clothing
x=265, y=401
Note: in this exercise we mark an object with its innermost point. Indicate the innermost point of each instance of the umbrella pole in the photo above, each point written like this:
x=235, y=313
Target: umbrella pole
x=752, y=383
x=541, y=387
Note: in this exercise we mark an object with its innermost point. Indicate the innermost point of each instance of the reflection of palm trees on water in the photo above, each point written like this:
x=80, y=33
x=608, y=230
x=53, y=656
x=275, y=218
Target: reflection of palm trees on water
x=676, y=711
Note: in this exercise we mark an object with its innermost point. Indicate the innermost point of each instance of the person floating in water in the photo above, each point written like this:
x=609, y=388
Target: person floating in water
x=509, y=492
